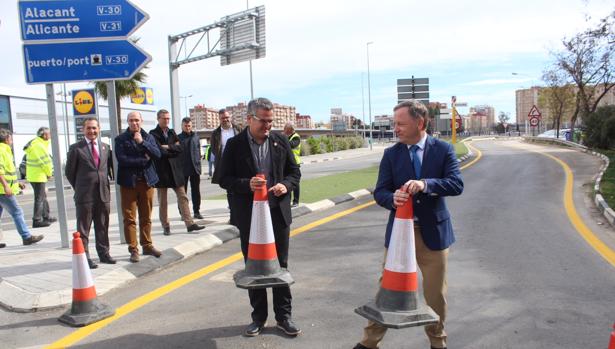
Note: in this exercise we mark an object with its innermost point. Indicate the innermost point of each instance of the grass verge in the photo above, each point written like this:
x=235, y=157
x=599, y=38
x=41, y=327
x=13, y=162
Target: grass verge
x=607, y=185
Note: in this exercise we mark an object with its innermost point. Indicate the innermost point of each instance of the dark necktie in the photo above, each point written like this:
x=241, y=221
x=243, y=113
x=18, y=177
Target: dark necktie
x=416, y=162
x=95, y=155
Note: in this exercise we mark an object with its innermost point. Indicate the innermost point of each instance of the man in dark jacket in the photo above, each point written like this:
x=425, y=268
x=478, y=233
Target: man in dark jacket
x=191, y=157
x=136, y=176
x=254, y=151
x=219, y=137
x=171, y=173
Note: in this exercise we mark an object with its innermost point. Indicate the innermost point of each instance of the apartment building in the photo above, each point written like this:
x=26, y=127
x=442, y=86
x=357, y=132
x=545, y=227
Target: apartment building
x=204, y=118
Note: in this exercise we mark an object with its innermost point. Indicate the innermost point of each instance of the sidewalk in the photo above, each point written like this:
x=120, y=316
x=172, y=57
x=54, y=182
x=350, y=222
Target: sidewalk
x=39, y=276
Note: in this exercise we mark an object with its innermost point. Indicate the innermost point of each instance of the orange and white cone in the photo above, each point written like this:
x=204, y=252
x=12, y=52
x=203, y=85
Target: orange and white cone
x=86, y=308
x=397, y=303
x=262, y=266
x=612, y=341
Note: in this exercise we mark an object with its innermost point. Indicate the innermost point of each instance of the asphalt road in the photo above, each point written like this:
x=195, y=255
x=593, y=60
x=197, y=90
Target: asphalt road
x=520, y=276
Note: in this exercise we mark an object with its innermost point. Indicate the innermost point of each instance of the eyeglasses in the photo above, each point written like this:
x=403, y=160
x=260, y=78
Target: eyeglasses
x=266, y=122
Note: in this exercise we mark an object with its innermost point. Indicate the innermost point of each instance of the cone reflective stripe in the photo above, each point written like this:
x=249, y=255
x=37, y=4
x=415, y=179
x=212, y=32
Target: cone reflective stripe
x=86, y=308
x=397, y=304
x=262, y=266
x=83, y=285
x=262, y=242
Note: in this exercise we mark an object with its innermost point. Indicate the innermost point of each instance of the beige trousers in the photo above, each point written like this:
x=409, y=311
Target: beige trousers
x=182, y=200
x=433, y=269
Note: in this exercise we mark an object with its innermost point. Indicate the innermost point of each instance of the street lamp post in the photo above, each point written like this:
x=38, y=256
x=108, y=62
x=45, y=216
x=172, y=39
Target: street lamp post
x=369, y=96
x=186, y=104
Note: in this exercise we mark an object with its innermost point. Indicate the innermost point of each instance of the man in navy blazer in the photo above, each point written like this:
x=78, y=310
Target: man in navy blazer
x=398, y=180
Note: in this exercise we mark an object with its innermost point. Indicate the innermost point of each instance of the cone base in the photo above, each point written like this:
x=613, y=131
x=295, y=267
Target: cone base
x=87, y=313
x=422, y=316
x=252, y=282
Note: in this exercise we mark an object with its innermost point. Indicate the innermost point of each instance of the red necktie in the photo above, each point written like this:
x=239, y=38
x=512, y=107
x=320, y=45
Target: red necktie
x=95, y=155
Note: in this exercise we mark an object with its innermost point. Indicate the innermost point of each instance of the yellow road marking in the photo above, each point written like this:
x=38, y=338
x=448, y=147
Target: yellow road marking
x=583, y=230
x=478, y=156
x=137, y=303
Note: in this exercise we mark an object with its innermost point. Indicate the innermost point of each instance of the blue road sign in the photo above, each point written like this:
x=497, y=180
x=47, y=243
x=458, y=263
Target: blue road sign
x=82, y=61
x=78, y=19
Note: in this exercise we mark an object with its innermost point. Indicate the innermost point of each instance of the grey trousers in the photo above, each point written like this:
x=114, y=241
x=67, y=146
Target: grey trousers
x=41, y=206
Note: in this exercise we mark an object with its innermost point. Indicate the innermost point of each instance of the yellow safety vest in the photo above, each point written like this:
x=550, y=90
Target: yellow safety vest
x=7, y=169
x=296, y=150
x=38, y=161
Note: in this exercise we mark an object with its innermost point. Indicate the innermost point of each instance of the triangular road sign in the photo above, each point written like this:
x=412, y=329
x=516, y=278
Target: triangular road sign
x=534, y=113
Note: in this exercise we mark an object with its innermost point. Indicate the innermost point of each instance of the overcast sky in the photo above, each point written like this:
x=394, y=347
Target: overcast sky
x=316, y=50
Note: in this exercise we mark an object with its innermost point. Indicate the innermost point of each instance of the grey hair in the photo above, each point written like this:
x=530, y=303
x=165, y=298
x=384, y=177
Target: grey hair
x=134, y=113
x=259, y=103
x=290, y=125
x=4, y=135
x=42, y=131
x=416, y=109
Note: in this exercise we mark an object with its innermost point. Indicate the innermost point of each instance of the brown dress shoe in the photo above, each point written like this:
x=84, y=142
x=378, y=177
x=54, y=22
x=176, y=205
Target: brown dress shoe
x=151, y=251
x=134, y=256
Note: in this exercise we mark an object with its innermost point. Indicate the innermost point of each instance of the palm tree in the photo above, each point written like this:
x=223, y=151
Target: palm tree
x=123, y=88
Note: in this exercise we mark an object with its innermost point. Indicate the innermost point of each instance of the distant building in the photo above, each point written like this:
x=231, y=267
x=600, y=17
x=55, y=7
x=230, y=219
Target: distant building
x=384, y=122
x=303, y=121
x=340, y=120
x=480, y=118
x=204, y=118
x=526, y=98
x=281, y=114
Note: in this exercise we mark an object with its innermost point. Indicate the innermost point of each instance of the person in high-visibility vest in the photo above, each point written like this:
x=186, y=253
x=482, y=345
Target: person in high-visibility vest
x=10, y=186
x=38, y=170
x=295, y=146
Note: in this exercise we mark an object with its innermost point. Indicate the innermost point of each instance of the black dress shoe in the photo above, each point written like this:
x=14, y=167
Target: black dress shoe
x=294, y=204
x=2, y=245
x=51, y=219
x=92, y=264
x=107, y=260
x=198, y=216
x=195, y=227
x=167, y=231
x=254, y=329
x=40, y=224
x=360, y=346
x=289, y=327
x=438, y=348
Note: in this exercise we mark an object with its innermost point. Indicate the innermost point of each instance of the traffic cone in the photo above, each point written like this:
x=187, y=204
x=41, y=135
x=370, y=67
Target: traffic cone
x=612, y=341
x=262, y=266
x=397, y=304
x=86, y=309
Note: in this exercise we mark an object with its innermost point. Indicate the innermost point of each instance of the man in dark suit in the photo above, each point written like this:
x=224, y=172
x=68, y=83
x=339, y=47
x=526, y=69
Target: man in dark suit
x=254, y=151
x=171, y=174
x=191, y=158
x=219, y=138
x=87, y=169
x=425, y=169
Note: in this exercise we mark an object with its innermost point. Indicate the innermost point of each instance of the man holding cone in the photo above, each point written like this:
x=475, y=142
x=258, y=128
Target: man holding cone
x=254, y=151
x=425, y=169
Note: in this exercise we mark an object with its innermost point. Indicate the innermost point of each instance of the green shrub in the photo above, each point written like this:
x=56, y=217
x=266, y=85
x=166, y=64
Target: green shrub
x=599, y=129
x=314, y=146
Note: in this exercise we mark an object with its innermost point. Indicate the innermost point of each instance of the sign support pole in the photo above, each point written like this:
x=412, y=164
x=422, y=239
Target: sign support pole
x=174, y=77
x=113, y=113
x=57, y=164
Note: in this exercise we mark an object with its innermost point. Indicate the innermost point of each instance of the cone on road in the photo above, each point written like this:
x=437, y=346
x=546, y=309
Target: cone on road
x=612, y=341
x=86, y=308
x=262, y=266
x=397, y=304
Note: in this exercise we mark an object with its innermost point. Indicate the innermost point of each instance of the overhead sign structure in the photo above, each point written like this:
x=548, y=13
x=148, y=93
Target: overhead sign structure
x=413, y=88
x=534, y=113
x=78, y=19
x=143, y=95
x=83, y=61
x=245, y=35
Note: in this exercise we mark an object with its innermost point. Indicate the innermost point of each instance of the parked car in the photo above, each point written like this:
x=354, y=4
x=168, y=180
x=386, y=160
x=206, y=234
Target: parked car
x=563, y=134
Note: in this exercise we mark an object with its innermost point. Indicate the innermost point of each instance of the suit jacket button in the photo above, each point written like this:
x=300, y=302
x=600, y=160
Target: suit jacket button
x=418, y=201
